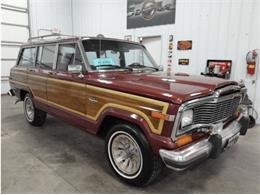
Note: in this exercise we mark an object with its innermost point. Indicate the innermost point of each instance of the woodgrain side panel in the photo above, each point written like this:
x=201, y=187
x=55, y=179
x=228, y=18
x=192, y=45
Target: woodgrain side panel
x=71, y=95
x=38, y=85
x=19, y=74
x=141, y=106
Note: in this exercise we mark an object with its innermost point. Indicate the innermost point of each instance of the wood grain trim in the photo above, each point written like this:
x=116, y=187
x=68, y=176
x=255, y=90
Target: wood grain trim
x=18, y=82
x=112, y=105
x=19, y=72
x=130, y=109
x=36, y=76
x=109, y=105
x=67, y=82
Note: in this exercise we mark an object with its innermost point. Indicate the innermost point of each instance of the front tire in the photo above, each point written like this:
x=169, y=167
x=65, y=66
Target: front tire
x=33, y=115
x=130, y=156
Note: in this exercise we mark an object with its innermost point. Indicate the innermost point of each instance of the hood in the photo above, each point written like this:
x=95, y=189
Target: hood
x=175, y=88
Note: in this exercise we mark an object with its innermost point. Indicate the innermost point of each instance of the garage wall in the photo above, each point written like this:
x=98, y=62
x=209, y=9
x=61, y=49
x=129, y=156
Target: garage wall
x=44, y=14
x=15, y=30
x=50, y=14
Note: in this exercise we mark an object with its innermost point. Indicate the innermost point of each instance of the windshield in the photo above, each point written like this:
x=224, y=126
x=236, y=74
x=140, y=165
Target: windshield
x=110, y=55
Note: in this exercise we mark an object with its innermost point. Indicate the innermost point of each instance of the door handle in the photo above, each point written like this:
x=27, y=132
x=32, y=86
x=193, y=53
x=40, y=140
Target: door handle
x=51, y=73
x=93, y=99
x=31, y=70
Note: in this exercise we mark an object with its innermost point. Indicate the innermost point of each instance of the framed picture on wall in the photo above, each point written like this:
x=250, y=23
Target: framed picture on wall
x=184, y=62
x=142, y=13
x=184, y=45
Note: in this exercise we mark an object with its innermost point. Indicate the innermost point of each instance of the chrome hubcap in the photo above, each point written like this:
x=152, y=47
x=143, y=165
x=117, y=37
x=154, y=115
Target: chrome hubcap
x=29, y=109
x=126, y=155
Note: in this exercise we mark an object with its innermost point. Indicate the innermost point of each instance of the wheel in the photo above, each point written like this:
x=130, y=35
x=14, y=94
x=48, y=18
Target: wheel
x=130, y=156
x=33, y=115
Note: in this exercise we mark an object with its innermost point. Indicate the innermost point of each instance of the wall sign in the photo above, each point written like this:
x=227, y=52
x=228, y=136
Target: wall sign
x=184, y=62
x=170, y=52
x=142, y=13
x=184, y=45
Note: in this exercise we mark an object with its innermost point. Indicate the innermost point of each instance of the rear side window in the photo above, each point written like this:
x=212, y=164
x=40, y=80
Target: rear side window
x=28, y=57
x=68, y=54
x=47, y=58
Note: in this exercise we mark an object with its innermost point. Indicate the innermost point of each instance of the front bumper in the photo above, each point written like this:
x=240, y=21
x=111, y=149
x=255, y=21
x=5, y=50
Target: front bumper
x=184, y=158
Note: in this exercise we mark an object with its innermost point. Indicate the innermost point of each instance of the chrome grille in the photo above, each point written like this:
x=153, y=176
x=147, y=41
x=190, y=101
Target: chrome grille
x=213, y=112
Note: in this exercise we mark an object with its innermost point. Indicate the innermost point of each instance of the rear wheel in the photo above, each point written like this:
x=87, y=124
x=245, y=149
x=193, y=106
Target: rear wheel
x=130, y=156
x=33, y=115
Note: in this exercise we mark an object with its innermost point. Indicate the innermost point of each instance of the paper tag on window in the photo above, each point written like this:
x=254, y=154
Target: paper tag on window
x=103, y=61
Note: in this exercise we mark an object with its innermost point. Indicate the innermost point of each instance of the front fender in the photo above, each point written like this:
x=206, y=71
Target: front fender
x=156, y=141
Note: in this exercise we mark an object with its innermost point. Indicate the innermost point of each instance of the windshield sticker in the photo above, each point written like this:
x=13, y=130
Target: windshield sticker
x=103, y=61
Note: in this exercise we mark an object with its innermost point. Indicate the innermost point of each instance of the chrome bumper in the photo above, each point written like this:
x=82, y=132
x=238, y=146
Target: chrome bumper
x=182, y=159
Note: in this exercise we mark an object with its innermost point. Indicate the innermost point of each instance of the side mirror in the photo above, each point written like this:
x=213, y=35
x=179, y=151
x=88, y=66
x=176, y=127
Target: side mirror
x=160, y=67
x=75, y=68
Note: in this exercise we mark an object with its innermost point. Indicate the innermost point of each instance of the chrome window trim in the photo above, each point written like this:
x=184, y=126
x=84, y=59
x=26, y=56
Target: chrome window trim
x=209, y=99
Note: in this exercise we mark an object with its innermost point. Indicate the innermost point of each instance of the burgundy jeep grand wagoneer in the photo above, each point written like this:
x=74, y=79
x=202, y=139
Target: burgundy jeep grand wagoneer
x=114, y=89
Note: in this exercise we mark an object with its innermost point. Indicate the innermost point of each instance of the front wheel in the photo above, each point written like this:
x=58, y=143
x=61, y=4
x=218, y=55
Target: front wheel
x=130, y=155
x=33, y=115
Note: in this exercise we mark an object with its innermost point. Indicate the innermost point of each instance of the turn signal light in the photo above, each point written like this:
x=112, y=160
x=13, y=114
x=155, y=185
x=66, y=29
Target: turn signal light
x=160, y=115
x=184, y=140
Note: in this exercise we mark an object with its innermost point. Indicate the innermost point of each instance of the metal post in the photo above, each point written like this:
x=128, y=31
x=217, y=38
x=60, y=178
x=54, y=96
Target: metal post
x=29, y=18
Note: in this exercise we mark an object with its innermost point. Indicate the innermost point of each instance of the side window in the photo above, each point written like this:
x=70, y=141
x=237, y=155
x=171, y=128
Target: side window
x=27, y=57
x=48, y=53
x=68, y=54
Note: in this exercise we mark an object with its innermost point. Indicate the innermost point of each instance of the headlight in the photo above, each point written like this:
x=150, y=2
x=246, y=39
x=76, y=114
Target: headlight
x=187, y=118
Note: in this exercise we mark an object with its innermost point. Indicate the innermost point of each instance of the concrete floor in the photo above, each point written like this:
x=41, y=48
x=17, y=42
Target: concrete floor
x=58, y=158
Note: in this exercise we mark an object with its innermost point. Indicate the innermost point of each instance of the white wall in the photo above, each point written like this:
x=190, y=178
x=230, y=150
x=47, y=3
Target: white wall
x=11, y=33
x=46, y=14
x=50, y=14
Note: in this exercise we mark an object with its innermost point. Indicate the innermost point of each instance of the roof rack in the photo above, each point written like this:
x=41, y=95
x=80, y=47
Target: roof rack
x=57, y=35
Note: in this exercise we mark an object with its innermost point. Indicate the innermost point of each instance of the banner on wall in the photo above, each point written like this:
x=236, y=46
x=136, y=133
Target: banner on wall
x=142, y=13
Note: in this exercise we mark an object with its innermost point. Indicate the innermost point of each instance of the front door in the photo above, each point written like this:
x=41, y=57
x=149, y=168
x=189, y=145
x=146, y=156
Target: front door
x=66, y=90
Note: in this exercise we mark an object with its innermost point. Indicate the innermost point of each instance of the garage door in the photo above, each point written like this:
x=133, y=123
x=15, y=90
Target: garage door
x=15, y=30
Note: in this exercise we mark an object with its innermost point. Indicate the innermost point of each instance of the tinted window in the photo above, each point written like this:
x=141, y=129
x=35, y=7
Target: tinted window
x=28, y=57
x=47, y=58
x=68, y=54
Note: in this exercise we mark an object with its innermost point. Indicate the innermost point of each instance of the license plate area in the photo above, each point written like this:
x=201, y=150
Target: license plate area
x=232, y=140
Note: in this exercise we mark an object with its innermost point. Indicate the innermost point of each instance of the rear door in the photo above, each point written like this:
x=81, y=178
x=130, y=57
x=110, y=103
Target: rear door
x=26, y=61
x=38, y=74
x=67, y=90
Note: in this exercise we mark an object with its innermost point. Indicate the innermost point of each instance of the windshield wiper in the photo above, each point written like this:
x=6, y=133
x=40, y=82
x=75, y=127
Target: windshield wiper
x=138, y=65
x=111, y=67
